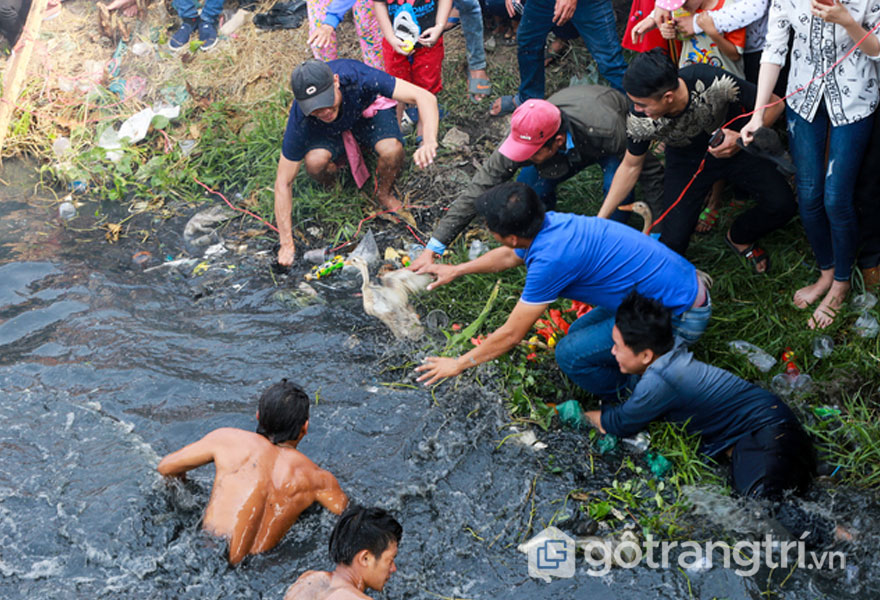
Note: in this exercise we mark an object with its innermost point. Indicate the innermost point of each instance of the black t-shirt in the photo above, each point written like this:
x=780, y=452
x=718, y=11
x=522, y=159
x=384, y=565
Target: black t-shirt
x=714, y=98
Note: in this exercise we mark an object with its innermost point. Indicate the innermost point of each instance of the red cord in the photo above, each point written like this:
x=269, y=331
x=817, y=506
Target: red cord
x=247, y=212
x=746, y=114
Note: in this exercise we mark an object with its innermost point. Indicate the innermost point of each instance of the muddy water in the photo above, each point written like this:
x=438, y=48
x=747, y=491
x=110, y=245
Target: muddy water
x=105, y=368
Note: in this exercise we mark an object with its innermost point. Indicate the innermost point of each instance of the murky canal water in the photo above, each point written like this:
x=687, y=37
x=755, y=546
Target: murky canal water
x=105, y=368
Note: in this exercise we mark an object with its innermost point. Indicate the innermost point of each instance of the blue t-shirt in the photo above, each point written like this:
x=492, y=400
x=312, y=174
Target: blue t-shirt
x=599, y=262
x=713, y=402
x=359, y=85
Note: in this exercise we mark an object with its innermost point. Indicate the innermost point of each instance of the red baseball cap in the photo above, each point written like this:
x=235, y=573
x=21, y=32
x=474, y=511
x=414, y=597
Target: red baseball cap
x=533, y=123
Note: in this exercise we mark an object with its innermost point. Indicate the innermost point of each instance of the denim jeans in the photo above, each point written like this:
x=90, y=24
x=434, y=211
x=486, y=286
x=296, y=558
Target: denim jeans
x=472, y=26
x=546, y=188
x=825, y=195
x=188, y=9
x=584, y=354
x=594, y=21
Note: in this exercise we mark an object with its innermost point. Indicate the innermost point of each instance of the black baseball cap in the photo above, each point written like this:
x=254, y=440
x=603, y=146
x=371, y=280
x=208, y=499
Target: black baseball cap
x=312, y=84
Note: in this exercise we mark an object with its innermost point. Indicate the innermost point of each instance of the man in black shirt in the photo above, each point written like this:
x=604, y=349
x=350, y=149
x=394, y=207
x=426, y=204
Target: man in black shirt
x=684, y=109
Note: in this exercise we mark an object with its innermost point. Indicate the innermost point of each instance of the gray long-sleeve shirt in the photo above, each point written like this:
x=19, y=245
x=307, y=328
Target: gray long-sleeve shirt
x=597, y=124
x=715, y=403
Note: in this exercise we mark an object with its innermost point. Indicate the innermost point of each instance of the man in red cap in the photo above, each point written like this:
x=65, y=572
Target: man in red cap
x=550, y=141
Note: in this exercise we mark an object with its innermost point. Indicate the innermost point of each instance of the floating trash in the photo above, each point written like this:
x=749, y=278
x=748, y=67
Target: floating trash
x=141, y=259
x=67, y=211
x=823, y=346
x=436, y=319
x=763, y=361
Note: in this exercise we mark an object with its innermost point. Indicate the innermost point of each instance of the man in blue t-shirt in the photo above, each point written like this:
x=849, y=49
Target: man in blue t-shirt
x=592, y=260
x=335, y=100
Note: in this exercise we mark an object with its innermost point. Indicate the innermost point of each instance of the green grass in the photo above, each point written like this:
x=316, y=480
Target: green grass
x=238, y=151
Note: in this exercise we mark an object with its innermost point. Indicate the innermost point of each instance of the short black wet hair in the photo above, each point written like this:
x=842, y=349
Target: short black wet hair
x=361, y=528
x=284, y=409
x=512, y=208
x=650, y=75
x=645, y=324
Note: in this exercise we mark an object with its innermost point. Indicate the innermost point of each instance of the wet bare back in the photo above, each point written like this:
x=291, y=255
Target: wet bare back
x=321, y=585
x=260, y=488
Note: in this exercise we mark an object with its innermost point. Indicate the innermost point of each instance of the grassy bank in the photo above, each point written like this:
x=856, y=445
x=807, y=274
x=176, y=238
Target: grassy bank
x=236, y=152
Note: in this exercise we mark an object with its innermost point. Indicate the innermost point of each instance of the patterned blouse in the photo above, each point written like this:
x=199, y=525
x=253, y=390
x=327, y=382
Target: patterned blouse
x=851, y=89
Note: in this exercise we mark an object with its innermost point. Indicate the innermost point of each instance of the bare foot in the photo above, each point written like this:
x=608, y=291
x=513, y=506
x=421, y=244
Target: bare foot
x=389, y=202
x=809, y=294
x=555, y=51
x=824, y=314
x=117, y=4
x=131, y=11
x=710, y=214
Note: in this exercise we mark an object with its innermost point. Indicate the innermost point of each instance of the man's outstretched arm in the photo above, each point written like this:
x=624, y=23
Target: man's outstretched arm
x=191, y=456
x=287, y=170
x=623, y=183
x=499, y=341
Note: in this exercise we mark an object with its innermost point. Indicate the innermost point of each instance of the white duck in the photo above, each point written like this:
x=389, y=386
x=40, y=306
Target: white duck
x=389, y=302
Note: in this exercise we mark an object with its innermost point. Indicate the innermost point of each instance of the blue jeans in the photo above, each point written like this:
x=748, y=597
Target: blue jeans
x=546, y=188
x=188, y=9
x=594, y=21
x=472, y=26
x=825, y=195
x=584, y=354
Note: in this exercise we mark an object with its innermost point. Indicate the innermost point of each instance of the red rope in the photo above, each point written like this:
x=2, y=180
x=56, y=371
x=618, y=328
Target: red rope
x=746, y=114
x=247, y=212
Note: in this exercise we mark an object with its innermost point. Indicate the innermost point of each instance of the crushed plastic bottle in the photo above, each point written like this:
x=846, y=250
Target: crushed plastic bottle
x=415, y=250
x=867, y=325
x=67, y=211
x=60, y=145
x=640, y=442
x=316, y=256
x=658, y=464
x=477, y=249
x=763, y=361
x=787, y=385
x=436, y=319
x=823, y=346
x=607, y=443
x=864, y=302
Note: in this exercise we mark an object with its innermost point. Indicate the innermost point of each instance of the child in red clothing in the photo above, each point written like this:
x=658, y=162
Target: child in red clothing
x=413, y=44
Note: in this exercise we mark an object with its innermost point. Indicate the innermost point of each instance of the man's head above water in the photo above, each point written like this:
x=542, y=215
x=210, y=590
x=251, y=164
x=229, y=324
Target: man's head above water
x=651, y=82
x=365, y=541
x=283, y=415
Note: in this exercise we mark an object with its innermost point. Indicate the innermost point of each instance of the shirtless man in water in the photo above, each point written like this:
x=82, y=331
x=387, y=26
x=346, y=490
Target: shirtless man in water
x=363, y=545
x=262, y=482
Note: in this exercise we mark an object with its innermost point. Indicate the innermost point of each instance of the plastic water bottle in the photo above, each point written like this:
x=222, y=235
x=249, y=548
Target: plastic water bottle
x=823, y=346
x=415, y=250
x=640, y=442
x=316, y=256
x=67, y=211
x=763, y=361
x=867, y=325
x=477, y=249
x=864, y=302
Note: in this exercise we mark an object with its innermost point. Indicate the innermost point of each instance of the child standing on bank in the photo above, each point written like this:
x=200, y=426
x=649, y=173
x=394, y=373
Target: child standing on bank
x=413, y=44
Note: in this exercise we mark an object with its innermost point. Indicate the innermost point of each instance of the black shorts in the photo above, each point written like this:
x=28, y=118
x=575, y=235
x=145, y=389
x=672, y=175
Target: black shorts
x=367, y=132
x=773, y=460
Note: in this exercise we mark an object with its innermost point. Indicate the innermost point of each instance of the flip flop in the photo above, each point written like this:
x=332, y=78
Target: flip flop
x=508, y=105
x=754, y=255
x=708, y=217
x=478, y=86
